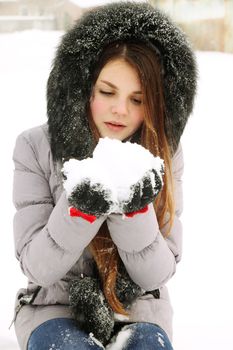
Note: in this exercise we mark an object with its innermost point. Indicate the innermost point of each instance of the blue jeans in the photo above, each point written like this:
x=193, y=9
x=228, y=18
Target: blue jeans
x=63, y=334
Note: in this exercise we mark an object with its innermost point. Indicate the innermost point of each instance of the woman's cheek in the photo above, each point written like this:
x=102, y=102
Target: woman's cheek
x=97, y=107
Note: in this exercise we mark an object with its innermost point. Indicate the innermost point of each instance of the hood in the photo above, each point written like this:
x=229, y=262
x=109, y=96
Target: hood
x=70, y=81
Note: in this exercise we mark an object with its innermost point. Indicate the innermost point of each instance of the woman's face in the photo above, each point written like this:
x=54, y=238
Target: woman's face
x=117, y=102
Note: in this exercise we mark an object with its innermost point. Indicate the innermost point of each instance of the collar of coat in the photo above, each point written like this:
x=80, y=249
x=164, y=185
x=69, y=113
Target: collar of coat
x=69, y=83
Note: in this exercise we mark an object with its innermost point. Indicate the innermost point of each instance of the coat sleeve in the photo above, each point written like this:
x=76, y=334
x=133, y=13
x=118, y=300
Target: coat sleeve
x=149, y=256
x=48, y=241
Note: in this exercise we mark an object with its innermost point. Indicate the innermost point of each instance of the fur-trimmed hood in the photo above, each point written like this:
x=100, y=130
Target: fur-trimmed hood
x=70, y=81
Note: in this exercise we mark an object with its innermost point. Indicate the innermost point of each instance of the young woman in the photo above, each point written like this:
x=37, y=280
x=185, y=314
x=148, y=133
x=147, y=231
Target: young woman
x=125, y=72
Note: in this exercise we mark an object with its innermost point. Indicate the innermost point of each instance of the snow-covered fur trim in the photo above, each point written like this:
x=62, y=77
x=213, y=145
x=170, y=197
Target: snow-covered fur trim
x=70, y=81
x=90, y=308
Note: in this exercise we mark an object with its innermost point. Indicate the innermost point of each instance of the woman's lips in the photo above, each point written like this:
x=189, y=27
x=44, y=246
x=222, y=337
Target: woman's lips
x=114, y=126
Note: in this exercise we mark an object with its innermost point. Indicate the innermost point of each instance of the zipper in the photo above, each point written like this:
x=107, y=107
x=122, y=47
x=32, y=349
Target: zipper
x=26, y=299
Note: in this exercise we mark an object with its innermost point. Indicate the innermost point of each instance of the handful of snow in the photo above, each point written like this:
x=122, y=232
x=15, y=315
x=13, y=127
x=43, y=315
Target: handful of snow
x=117, y=166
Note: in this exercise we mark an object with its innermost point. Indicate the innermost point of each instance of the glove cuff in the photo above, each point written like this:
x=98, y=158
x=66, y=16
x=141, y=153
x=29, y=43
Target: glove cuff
x=140, y=211
x=78, y=213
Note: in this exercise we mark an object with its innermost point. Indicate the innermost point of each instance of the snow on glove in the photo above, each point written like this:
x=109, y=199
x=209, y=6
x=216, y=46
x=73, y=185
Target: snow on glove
x=121, y=178
x=87, y=193
x=135, y=175
x=90, y=308
x=144, y=191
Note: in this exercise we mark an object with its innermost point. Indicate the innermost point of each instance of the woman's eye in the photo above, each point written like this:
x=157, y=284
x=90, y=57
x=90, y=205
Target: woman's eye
x=136, y=101
x=108, y=93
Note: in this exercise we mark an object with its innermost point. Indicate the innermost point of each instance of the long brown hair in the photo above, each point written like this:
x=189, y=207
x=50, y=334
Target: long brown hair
x=147, y=63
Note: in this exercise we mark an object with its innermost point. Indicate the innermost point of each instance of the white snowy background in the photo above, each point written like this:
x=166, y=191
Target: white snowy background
x=202, y=289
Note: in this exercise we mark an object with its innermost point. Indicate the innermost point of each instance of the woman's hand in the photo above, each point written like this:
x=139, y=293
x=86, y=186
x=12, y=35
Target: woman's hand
x=86, y=188
x=144, y=191
x=92, y=199
x=120, y=178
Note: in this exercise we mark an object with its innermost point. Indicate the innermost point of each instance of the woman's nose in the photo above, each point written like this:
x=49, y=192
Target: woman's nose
x=120, y=107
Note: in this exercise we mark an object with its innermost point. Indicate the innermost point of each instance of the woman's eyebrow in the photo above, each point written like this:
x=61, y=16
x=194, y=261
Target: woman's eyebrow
x=115, y=87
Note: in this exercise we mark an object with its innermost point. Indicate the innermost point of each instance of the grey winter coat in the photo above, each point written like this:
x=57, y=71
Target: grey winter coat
x=51, y=246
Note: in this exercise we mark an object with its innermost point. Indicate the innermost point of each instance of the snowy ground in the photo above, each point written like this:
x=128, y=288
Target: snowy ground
x=202, y=289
